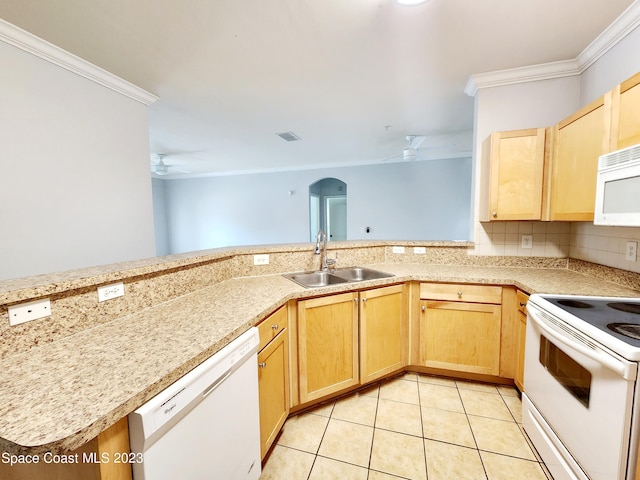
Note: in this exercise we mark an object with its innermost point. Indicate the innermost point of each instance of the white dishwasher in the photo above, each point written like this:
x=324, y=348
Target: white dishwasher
x=205, y=425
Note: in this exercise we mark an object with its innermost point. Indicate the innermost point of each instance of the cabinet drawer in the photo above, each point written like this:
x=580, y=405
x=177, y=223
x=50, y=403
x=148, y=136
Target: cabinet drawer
x=454, y=292
x=272, y=326
x=522, y=299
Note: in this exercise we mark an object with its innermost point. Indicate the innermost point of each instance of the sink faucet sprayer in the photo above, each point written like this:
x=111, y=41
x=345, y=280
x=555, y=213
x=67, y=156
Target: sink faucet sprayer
x=326, y=262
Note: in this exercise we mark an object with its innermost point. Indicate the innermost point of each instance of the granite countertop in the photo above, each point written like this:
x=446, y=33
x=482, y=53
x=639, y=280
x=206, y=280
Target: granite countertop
x=60, y=395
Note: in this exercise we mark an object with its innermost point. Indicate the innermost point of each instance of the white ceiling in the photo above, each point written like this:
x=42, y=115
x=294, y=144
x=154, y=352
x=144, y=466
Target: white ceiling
x=351, y=78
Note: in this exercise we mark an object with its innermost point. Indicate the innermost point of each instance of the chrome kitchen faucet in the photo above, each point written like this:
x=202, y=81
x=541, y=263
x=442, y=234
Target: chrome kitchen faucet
x=326, y=262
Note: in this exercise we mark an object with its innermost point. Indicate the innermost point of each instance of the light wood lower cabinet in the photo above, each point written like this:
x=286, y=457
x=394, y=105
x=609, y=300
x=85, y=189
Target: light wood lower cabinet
x=523, y=298
x=459, y=335
x=110, y=446
x=273, y=377
x=383, y=331
x=327, y=345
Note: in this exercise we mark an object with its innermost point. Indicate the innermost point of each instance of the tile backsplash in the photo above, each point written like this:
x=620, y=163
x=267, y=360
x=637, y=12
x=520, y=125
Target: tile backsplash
x=604, y=245
x=579, y=240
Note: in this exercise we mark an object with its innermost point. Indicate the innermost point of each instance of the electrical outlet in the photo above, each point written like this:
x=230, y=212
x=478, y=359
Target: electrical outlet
x=419, y=250
x=397, y=249
x=527, y=241
x=262, y=259
x=25, y=312
x=631, y=251
x=107, y=292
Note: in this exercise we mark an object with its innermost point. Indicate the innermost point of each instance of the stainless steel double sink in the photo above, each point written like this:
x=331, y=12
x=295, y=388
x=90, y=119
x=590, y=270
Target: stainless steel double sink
x=324, y=278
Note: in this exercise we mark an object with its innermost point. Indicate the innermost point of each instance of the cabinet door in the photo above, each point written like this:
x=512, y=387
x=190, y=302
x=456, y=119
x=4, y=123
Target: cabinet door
x=513, y=168
x=273, y=385
x=522, y=320
x=578, y=142
x=383, y=332
x=461, y=336
x=625, y=119
x=327, y=345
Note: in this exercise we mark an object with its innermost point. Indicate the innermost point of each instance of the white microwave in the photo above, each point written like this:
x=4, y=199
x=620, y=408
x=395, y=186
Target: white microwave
x=618, y=188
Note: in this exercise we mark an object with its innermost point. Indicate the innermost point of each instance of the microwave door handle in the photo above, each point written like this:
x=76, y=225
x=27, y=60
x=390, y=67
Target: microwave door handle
x=625, y=370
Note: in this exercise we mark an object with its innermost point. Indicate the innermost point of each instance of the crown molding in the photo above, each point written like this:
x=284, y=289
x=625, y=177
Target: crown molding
x=609, y=38
x=29, y=43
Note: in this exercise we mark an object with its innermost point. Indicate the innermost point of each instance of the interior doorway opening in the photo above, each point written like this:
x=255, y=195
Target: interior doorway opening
x=328, y=209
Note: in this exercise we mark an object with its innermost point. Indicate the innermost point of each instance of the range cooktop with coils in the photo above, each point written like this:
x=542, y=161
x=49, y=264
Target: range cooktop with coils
x=616, y=319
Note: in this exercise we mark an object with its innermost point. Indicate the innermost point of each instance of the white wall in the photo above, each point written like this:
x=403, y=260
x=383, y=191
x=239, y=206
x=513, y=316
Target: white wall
x=540, y=104
x=417, y=200
x=74, y=185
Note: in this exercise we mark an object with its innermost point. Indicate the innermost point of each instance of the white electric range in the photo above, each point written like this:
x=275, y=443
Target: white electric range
x=580, y=401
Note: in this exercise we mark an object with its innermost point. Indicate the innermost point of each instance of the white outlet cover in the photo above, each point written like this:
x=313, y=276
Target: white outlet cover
x=527, y=241
x=419, y=250
x=262, y=259
x=631, y=252
x=25, y=312
x=397, y=249
x=107, y=292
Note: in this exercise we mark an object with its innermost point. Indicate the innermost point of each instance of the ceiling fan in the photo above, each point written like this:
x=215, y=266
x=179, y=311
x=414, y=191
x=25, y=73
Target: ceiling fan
x=410, y=153
x=161, y=168
x=447, y=145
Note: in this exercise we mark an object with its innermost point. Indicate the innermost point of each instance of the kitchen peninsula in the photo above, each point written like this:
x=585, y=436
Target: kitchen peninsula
x=71, y=376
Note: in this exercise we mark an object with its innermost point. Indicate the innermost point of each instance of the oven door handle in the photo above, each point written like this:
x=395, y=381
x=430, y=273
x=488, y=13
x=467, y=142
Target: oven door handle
x=626, y=370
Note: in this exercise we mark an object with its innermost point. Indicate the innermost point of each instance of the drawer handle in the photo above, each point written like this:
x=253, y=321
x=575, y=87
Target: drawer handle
x=275, y=327
x=523, y=304
x=262, y=364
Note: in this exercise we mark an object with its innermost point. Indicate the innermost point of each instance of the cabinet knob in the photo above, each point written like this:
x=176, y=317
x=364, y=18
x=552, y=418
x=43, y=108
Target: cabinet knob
x=275, y=327
x=494, y=214
x=364, y=300
x=262, y=364
x=459, y=293
x=355, y=300
x=424, y=308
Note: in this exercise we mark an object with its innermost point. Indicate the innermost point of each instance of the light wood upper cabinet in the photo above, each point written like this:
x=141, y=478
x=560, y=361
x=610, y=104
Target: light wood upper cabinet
x=327, y=345
x=460, y=335
x=578, y=141
x=273, y=377
x=383, y=331
x=625, y=114
x=512, y=175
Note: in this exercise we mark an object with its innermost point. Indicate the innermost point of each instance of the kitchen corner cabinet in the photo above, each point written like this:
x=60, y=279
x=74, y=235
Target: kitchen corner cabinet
x=460, y=327
x=327, y=345
x=522, y=299
x=578, y=141
x=625, y=120
x=512, y=175
x=383, y=331
x=273, y=377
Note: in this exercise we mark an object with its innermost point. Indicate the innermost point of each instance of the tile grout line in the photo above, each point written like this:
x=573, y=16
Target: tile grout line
x=477, y=449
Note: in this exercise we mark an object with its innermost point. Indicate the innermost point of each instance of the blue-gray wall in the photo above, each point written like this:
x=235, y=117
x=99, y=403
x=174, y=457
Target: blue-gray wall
x=428, y=200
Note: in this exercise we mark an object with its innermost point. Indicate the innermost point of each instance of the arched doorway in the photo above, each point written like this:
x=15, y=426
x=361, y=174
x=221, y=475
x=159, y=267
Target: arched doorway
x=328, y=209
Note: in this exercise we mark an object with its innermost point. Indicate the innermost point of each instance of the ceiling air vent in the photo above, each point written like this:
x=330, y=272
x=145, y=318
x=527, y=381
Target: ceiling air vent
x=289, y=136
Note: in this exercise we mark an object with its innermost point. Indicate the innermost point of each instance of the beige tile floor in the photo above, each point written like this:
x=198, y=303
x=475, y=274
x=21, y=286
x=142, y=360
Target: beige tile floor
x=411, y=427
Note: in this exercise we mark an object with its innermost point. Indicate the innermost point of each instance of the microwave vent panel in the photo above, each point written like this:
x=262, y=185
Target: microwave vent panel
x=620, y=158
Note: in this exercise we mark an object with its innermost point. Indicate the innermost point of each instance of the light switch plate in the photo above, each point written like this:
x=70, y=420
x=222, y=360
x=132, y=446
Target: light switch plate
x=25, y=312
x=419, y=250
x=397, y=249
